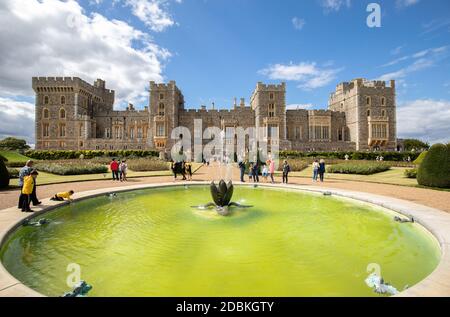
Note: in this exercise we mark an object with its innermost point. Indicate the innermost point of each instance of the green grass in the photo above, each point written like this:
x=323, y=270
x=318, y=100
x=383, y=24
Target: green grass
x=13, y=156
x=394, y=176
x=47, y=178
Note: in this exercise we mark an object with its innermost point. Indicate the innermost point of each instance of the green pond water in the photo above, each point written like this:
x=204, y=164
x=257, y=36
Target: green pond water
x=151, y=243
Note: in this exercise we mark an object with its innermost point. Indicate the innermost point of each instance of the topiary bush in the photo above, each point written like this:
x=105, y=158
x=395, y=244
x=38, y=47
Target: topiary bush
x=434, y=171
x=411, y=173
x=420, y=158
x=4, y=175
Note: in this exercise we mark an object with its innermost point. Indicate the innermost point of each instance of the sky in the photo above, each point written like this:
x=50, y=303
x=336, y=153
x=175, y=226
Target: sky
x=219, y=49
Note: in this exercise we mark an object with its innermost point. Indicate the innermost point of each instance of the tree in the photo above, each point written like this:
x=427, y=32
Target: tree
x=13, y=144
x=415, y=144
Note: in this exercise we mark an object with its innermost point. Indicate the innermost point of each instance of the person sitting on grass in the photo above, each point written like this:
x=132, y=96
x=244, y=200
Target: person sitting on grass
x=63, y=195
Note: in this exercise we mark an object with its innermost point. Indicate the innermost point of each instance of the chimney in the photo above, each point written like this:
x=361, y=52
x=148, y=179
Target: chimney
x=235, y=103
x=392, y=83
x=242, y=102
x=213, y=105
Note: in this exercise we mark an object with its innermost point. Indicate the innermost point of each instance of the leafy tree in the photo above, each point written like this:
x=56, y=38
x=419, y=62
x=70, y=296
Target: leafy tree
x=415, y=144
x=13, y=144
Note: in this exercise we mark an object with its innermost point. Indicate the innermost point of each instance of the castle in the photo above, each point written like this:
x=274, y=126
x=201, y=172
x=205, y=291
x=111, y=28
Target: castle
x=72, y=114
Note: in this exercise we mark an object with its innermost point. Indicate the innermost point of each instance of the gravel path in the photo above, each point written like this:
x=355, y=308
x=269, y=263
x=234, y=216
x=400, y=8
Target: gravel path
x=433, y=198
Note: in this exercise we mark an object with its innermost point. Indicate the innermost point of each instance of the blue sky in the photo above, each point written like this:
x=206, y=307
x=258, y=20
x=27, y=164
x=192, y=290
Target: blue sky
x=219, y=49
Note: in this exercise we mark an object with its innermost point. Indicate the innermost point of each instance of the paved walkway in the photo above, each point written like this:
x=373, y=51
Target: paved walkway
x=432, y=198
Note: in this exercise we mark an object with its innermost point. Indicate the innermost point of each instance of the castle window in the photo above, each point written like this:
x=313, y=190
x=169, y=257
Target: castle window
x=161, y=109
x=117, y=132
x=139, y=133
x=383, y=101
x=383, y=113
x=62, y=130
x=62, y=144
x=81, y=130
x=342, y=105
x=97, y=147
x=340, y=136
x=368, y=112
x=160, y=131
x=132, y=133
x=46, y=113
x=298, y=133
x=63, y=100
x=46, y=100
x=45, y=130
x=46, y=144
x=62, y=114
x=271, y=110
x=368, y=101
x=379, y=131
x=271, y=96
x=161, y=96
x=81, y=143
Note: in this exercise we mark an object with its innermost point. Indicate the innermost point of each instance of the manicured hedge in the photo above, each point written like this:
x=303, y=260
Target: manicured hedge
x=13, y=172
x=359, y=168
x=87, y=154
x=296, y=165
x=147, y=165
x=420, y=158
x=4, y=175
x=434, y=171
x=353, y=155
x=71, y=168
x=411, y=173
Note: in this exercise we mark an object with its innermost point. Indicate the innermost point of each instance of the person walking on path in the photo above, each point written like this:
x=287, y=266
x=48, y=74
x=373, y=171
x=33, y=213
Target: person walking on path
x=26, y=171
x=321, y=169
x=27, y=190
x=255, y=172
x=265, y=172
x=114, y=166
x=272, y=170
x=242, y=170
x=286, y=170
x=123, y=167
x=315, y=167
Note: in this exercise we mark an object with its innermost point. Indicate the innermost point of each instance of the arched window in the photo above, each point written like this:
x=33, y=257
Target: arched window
x=46, y=113
x=45, y=100
x=62, y=113
x=63, y=100
x=161, y=109
x=383, y=101
x=368, y=100
x=383, y=113
x=368, y=112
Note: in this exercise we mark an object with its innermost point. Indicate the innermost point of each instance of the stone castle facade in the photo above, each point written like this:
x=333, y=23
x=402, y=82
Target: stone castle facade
x=72, y=114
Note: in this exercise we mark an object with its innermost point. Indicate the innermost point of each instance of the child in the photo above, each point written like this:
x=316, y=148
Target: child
x=250, y=172
x=123, y=171
x=265, y=172
x=61, y=196
x=27, y=190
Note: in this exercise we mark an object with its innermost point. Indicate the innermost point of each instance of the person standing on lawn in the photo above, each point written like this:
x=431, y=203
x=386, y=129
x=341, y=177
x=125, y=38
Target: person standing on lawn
x=27, y=189
x=321, y=169
x=26, y=171
x=114, y=166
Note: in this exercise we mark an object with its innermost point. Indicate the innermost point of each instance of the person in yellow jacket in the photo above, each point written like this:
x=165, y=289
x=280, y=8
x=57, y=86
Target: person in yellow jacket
x=63, y=195
x=27, y=190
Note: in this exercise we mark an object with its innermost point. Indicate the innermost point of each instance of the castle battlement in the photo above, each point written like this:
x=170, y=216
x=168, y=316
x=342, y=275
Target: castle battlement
x=73, y=82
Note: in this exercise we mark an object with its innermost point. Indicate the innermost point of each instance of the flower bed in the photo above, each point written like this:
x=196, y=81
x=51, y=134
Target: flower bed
x=75, y=167
x=359, y=168
x=147, y=165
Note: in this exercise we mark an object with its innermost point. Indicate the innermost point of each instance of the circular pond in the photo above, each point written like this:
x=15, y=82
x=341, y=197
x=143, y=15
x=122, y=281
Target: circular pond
x=152, y=243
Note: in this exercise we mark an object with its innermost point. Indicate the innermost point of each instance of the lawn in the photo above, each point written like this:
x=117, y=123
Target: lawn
x=394, y=176
x=13, y=156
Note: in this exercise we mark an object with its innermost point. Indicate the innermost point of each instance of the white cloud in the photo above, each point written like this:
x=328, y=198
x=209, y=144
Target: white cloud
x=152, y=12
x=419, y=61
x=308, y=75
x=426, y=119
x=406, y=3
x=306, y=106
x=17, y=119
x=56, y=38
x=298, y=23
x=334, y=5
